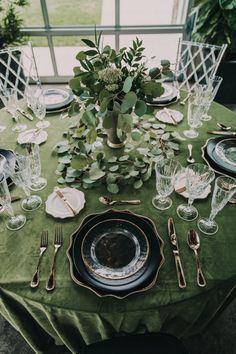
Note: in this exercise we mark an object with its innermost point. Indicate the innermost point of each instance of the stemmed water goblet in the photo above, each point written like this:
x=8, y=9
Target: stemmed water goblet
x=166, y=172
x=39, y=109
x=198, y=177
x=207, y=95
x=10, y=101
x=14, y=222
x=37, y=182
x=21, y=176
x=194, y=116
x=224, y=189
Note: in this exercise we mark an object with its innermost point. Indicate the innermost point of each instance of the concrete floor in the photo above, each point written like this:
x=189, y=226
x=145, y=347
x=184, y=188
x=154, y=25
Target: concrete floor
x=218, y=338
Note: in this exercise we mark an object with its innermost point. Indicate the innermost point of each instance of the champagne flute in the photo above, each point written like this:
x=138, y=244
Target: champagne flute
x=198, y=177
x=39, y=110
x=166, y=172
x=208, y=94
x=224, y=189
x=14, y=222
x=194, y=116
x=37, y=182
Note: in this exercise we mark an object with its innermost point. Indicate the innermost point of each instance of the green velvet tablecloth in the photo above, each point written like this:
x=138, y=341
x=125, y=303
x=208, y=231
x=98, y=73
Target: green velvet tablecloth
x=75, y=316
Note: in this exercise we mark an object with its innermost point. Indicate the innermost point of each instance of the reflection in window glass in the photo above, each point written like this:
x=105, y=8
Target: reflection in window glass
x=42, y=56
x=160, y=46
x=66, y=49
x=32, y=14
x=76, y=12
x=162, y=12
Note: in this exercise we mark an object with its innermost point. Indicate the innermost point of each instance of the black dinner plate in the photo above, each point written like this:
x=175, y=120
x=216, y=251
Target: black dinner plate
x=56, y=99
x=10, y=157
x=155, y=257
x=115, y=252
x=223, y=165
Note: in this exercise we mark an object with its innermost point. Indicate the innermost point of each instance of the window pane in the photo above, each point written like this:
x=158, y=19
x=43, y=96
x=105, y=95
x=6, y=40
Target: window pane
x=66, y=49
x=79, y=12
x=162, y=46
x=32, y=14
x=42, y=56
x=162, y=12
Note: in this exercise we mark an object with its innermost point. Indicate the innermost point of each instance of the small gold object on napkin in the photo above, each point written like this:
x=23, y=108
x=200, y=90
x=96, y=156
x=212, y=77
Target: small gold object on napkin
x=62, y=197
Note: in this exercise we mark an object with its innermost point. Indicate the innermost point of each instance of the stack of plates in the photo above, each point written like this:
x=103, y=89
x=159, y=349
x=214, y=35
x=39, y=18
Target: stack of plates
x=57, y=100
x=170, y=95
x=220, y=155
x=116, y=253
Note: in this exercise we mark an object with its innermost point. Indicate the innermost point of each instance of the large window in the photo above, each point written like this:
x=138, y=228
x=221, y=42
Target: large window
x=56, y=27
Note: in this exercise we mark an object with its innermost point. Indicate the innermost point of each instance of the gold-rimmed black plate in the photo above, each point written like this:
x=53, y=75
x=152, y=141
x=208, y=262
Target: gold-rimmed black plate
x=149, y=272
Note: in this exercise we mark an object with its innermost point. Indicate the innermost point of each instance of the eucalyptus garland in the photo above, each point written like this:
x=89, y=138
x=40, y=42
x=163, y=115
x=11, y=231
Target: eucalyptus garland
x=85, y=165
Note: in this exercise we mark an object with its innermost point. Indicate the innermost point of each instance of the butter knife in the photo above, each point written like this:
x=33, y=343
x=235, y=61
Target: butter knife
x=175, y=250
x=25, y=114
x=170, y=115
x=221, y=132
x=63, y=198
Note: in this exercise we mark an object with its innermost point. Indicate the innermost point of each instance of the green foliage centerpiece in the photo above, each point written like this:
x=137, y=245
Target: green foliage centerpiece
x=111, y=86
x=112, y=89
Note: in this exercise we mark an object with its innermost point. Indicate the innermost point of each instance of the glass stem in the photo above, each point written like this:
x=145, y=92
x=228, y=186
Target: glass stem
x=190, y=202
x=212, y=215
x=27, y=191
x=9, y=210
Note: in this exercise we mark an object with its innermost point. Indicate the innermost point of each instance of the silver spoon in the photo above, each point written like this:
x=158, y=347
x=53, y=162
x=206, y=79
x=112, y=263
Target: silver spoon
x=190, y=159
x=194, y=243
x=223, y=127
x=108, y=201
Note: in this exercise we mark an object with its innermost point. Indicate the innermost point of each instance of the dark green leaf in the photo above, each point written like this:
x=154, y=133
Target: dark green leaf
x=113, y=188
x=140, y=108
x=96, y=174
x=78, y=162
x=128, y=102
x=89, y=43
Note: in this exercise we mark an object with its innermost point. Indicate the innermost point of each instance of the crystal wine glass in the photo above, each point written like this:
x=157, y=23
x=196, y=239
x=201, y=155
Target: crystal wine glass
x=14, y=222
x=198, y=177
x=166, y=172
x=208, y=94
x=37, y=182
x=21, y=176
x=194, y=116
x=9, y=98
x=224, y=189
x=39, y=109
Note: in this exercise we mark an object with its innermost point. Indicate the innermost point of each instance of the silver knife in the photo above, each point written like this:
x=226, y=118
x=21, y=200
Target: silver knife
x=175, y=249
x=221, y=132
x=25, y=114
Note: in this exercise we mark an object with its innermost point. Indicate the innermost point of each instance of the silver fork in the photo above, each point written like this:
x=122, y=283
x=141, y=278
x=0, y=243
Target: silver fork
x=42, y=248
x=51, y=282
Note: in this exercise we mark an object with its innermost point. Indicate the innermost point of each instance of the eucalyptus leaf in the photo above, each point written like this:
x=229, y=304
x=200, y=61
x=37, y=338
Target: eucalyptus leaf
x=114, y=168
x=112, y=159
x=78, y=162
x=61, y=180
x=113, y=188
x=124, y=158
x=138, y=184
x=127, y=84
x=65, y=159
x=95, y=174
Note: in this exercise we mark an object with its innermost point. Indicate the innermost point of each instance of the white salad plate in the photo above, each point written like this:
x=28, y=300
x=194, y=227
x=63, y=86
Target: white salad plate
x=36, y=136
x=58, y=208
x=164, y=117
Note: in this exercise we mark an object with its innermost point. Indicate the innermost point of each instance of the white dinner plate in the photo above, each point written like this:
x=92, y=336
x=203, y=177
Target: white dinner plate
x=163, y=116
x=36, y=136
x=56, y=207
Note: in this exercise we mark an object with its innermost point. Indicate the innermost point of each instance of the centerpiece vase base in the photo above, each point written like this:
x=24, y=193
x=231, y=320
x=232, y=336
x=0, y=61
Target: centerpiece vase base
x=113, y=141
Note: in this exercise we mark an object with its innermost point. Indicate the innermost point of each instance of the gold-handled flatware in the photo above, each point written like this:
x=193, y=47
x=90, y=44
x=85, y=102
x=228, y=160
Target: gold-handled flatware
x=185, y=99
x=108, y=201
x=170, y=115
x=190, y=158
x=42, y=248
x=223, y=126
x=51, y=282
x=222, y=132
x=194, y=243
x=175, y=250
x=60, y=194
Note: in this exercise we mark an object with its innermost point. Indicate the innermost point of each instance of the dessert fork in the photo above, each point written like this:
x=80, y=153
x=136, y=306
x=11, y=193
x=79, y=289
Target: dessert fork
x=51, y=282
x=42, y=248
